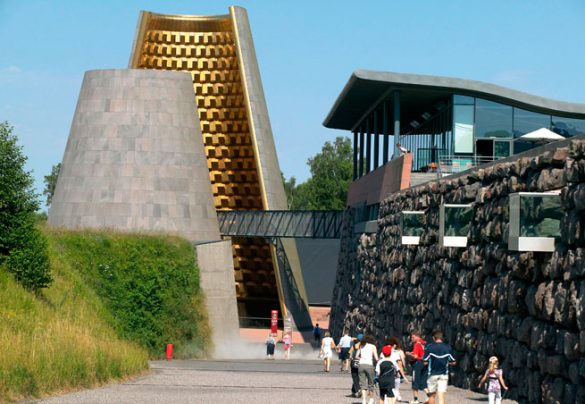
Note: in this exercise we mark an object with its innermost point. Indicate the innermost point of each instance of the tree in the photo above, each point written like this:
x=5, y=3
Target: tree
x=331, y=174
x=51, y=182
x=289, y=189
x=23, y=249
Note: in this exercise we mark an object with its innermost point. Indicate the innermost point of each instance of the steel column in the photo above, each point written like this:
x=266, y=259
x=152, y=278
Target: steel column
x=396, y=117
x=368, y=146
x=385, y=132
x=376, y=141
x=355, y=156
x=361, y=159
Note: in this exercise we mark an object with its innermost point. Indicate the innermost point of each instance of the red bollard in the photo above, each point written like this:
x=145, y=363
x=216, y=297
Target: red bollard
x=169, y=352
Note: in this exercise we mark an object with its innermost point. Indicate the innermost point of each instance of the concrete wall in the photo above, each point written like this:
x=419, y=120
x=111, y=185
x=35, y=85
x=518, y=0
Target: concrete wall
x=134, y=159
x=527, y=308
x=217, y=281
x=376, y=185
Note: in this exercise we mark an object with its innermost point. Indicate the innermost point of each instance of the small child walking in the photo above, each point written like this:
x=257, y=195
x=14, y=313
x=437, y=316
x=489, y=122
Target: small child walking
x=287, y=340
x=495, y=377
x=270, y=345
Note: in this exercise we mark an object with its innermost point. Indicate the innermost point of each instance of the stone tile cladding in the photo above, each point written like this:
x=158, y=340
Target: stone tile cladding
x=134, y=160
x=527, y=308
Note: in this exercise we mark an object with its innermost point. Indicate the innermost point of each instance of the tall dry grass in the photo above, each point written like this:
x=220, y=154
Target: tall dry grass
x=58, y=340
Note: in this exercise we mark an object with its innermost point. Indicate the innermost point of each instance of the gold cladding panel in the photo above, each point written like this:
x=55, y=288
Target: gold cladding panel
x=211, y=59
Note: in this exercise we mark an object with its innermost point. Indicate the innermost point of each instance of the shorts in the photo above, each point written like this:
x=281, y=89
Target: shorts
x=344, y=354
x=366, y=373
x=386, y=392
x=437, y=384
x=287, y=346
x=419, y=376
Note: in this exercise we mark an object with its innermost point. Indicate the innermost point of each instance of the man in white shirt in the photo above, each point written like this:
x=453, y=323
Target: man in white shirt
x=344, y=347
x=401, y=149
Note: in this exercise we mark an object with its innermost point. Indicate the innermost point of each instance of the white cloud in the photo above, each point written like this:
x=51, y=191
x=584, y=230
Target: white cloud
x=11, y=69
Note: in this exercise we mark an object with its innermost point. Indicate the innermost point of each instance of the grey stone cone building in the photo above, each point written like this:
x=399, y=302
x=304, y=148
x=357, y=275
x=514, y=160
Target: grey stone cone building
x=133, y=161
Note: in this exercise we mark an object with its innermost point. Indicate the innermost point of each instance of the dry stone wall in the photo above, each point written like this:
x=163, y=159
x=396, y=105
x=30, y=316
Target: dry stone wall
x=527, y=308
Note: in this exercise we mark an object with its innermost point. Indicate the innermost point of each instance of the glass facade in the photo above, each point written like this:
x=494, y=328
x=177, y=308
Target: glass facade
x=568, y=127
x=528, y=121
x=492, y=120
x=463, y=128
x=487, y=129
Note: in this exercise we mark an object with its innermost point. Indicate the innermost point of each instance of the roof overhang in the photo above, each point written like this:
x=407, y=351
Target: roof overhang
x=365, y=89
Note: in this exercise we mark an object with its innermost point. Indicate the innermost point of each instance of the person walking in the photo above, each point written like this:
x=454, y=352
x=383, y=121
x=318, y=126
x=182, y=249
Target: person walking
x=317, y=334
x=398, y=358
x=344, y=346
x=368, y=354
x=287, y=340
x=386, y=374
x=354, y=366
x=327, y=347
x=419, y=378
x=438, y=358
x=495, y=377
x=270, y=345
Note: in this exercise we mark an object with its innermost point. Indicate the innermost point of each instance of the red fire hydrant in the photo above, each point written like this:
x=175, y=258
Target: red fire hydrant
x=169, y=352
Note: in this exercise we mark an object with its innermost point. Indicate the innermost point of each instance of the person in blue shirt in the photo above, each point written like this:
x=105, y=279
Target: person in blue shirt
x=438, y=357
x=317, y=334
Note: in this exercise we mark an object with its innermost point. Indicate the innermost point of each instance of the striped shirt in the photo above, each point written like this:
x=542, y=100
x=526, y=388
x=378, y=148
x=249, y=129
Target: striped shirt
x=438, y=356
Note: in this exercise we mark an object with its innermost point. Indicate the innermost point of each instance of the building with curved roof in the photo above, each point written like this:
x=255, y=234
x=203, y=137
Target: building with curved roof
x=447, y=124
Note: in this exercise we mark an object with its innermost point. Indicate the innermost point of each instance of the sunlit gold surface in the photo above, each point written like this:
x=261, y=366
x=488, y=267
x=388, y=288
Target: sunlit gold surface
x=205, y=47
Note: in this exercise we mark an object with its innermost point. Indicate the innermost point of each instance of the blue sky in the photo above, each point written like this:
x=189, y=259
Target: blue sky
x=306, y=51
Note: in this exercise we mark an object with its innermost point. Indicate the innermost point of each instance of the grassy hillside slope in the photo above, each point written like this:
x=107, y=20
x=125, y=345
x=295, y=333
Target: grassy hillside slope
x=115, y=302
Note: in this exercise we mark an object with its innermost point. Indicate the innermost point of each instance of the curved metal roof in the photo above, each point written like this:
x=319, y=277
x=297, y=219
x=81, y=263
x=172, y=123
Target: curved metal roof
x=367, y=88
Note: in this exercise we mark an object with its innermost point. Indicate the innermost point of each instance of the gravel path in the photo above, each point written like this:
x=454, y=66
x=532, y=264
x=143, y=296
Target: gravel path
x=242, y=381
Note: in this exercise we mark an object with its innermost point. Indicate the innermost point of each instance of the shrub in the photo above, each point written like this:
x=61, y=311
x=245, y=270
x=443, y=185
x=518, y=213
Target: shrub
x=21, y=245
x=149, y=284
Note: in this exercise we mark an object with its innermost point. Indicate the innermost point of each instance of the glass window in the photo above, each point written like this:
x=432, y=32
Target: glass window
x=568, y=127
x=463, y=128
x=463, y=100
x=528, y=121
x=520, y=147
x=501, y=148
x=535, y=221
x=457, y=220
x=492, y=119
x=540, y=216
x=412, y=223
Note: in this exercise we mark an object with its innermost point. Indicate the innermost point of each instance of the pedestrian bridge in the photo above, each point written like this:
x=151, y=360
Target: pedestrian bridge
x=281, y=223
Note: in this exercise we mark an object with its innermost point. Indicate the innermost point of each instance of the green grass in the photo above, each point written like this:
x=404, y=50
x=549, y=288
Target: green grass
x=115, y=302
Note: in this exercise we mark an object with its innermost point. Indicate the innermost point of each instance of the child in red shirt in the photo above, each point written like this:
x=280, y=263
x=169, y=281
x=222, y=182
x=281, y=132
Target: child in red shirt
x=419, y=380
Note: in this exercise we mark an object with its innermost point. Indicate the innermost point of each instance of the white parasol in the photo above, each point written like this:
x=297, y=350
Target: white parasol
x=540, y=136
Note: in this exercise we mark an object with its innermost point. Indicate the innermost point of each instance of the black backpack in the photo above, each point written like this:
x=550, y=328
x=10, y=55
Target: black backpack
x=387, y=375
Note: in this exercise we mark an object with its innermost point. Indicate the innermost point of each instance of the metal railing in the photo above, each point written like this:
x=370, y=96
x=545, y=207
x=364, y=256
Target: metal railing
x=451, y=164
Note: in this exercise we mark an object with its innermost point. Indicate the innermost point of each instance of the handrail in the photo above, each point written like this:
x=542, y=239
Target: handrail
x=450, y=164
